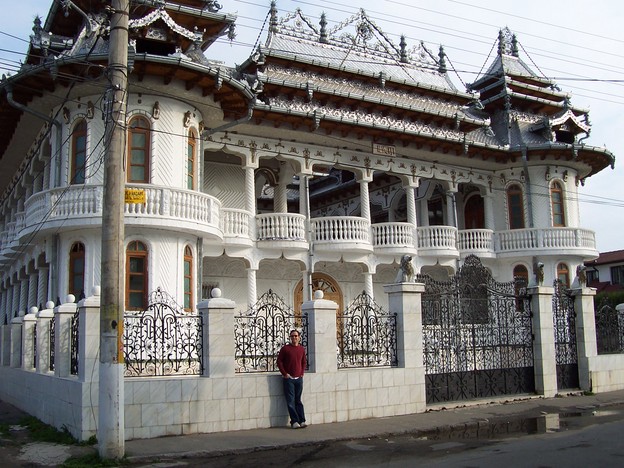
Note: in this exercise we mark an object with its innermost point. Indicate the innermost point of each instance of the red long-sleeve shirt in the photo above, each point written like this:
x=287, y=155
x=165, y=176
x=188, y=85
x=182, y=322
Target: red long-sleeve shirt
x=292, y=360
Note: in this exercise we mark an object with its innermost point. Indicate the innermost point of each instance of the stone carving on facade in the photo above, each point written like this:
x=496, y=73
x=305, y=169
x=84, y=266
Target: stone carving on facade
x=538, y=272
x=581, y=277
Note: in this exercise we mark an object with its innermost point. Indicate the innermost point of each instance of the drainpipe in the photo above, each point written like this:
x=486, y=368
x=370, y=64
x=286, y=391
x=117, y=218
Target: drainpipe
x=527, y=185
x=247, y=118
x=54, y=122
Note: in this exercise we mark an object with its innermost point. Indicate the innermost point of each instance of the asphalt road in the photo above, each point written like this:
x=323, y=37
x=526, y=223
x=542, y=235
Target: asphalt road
x=583, y=439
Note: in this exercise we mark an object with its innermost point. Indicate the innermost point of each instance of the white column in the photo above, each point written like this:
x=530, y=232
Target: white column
x=411, y=205
x=15, y=359
x=44, y=323
x=250, y=199
x=545, y=363
x=488, y=207
x=451, y=208
x=252, y=295
x=62, y=341
x=321, y=334
x=29, y=324
x=218, y=345
x=32, y=289
x=23, y=294
x=586, y=343
x=42, y=285
x=368, y=283
x=364, y=200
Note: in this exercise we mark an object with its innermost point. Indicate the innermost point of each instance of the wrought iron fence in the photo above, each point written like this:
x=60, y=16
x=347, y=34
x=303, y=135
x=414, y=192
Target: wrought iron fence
x=75, y=343
x=52, y=341
x=162, y=340
x=477, y=335
x=367, y=335
x=564, y=322
x=262, y=330
x=609, y=328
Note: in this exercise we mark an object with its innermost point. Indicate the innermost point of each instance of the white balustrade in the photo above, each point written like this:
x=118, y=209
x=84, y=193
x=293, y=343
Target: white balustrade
x=437, y=237
x=341, y=229
x=393, y=234
x=476, y=240
x=235, y=223
x=549, y=238
x=280, y=226
x=80, y=201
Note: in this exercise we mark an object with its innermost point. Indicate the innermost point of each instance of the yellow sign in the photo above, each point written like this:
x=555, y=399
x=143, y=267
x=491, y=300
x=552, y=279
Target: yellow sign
x=135, y=196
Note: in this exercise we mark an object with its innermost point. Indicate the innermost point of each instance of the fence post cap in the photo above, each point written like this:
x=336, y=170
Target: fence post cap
x=318, y=294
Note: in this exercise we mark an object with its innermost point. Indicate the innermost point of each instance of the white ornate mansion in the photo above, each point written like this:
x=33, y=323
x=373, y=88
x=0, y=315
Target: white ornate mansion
x=315, y=165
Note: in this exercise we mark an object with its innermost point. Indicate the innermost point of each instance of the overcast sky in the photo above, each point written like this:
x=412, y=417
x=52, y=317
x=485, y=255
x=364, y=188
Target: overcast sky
x=577, y=43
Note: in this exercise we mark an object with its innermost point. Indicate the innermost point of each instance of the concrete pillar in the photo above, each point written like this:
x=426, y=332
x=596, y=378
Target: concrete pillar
x=63, y=315
x=404, y=299
x=16, y=341
x=29, y=327
x=250, y=199
x=364, y=200
x=488, y=208
x=321, y=333
x=23, y=294
x=586, y=344
x=544, y=358
x=44, y=324
x=89, y=332
x=451, y=208
x=218, y=344
x=5, y=349
x=15, y=299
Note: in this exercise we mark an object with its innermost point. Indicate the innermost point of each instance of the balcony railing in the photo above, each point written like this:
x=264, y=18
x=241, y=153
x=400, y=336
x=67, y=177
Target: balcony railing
x=437, y=238
x=235, y=223
x=390, y=235
x=281, y=226
x=548, y=238
x=476, y=240
x=80, y=202
x=342, y=229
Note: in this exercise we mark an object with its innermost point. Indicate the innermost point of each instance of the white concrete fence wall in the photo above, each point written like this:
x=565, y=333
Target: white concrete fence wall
x=222, y=400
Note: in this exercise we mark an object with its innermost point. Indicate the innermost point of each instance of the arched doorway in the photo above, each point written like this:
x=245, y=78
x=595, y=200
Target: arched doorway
x=320, y=282
x=474, y=212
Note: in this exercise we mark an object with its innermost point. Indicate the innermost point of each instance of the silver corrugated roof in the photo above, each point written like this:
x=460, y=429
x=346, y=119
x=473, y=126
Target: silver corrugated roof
x=354, y=61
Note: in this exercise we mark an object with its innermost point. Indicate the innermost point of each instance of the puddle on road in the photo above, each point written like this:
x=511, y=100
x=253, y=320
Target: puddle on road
x=516, y=426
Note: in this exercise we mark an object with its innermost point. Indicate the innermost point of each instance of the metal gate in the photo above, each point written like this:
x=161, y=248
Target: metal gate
x=477, y=336
x=564, y=321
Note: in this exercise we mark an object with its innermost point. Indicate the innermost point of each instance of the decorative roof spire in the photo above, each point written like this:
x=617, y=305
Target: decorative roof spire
x=442, y=62
x=403, y=45
x=273, y=20
x=323, y=23
x=514, y=46
x=501, y=42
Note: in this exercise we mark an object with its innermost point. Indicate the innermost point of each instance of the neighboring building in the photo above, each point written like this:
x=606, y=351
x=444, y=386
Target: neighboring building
x=329, y=153
x=606, y=273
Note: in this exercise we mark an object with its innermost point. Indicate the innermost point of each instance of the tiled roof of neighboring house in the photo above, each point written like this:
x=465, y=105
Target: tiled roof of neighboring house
x=605, y=286
x=615, y=256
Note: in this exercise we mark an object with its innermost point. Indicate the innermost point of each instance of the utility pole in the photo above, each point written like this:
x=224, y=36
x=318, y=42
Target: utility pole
x=110, y=431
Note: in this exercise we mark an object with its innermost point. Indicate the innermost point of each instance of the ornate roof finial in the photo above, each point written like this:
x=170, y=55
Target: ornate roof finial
x=442, y=62
x=514, y=46
x=403, y=45
x=323, y=34
x=501, y=42
x=37, y=26
x=273, y=20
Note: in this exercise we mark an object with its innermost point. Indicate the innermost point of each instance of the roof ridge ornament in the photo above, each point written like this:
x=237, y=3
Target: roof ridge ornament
x=507, y=42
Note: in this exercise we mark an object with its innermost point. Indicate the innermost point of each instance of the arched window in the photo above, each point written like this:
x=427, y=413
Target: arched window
x=136, y=276
x=138, y=150
x=556, y=200
x=77, y=270
x=191, y=151
x=78, y=153
x=515, y=206
x=563, y=274
x=188, y=279
x=521, y=274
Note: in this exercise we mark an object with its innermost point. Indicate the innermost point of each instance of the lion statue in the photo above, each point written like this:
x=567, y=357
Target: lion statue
x=406, y=270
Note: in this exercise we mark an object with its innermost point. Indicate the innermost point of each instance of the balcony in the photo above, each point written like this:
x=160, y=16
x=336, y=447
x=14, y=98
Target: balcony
x=80, y=206
x=393, y=238
x=341, y=233
x=236, y=227
x=479, y=242
x=281, y=230
x=548, y=241
x=437, y=241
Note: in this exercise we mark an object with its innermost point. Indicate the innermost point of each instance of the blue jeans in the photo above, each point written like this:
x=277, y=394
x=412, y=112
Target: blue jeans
x=292, y=391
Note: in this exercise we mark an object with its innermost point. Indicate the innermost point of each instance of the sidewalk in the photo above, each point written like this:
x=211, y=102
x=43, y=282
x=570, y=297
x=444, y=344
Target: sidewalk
x=440, y=419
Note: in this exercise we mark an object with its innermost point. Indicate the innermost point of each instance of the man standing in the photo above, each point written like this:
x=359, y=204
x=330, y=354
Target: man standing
x=291, y=362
